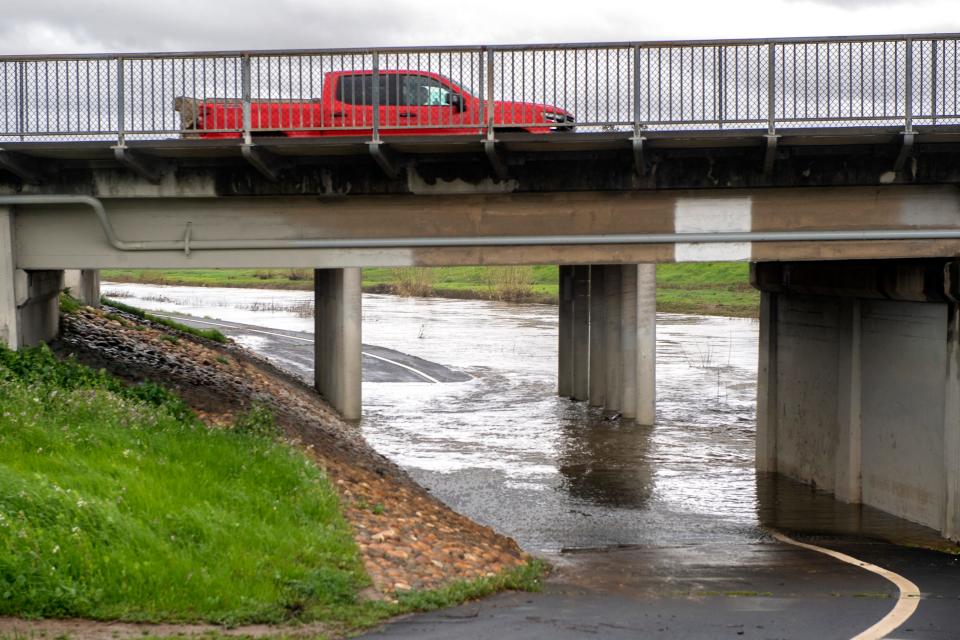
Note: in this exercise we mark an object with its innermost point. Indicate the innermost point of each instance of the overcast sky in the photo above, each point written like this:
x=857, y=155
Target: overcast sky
x=58, y=26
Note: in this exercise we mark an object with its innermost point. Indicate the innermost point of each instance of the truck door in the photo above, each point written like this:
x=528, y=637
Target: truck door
x=429, y=104
x=351, y=107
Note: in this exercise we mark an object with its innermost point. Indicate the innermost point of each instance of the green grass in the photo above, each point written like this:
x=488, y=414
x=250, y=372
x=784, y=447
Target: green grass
x=720, y=288
x=116, y=503
x=209, y=334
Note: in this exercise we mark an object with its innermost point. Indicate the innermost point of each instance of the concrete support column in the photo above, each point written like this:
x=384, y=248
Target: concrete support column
x=565, y=346
x=766, y=438
x=613, y=358
x=9, y=325
x=951, y=427
x=638, y=342
x=598, y=330
x=581, y=333
x=337, y=339
x=40, y=309
x=848, y=487
x=84, y=285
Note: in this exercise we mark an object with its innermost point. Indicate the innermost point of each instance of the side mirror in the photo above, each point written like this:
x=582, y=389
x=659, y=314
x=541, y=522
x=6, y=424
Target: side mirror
x=455, y=100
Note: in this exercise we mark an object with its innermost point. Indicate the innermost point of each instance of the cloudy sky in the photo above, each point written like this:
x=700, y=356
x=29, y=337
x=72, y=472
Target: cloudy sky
x=54, y=26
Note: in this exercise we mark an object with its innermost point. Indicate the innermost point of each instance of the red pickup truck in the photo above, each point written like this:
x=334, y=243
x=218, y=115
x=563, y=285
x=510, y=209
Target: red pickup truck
x=411, y=103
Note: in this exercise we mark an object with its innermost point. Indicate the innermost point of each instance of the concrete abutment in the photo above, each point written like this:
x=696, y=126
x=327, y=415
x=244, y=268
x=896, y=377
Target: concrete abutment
x=858, y=384
x=29, y=300
x=607, y=352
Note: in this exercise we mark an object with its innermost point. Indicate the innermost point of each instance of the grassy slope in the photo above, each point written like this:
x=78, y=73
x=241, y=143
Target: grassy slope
x=116, y=508
x=116, y=503
x=711, y=288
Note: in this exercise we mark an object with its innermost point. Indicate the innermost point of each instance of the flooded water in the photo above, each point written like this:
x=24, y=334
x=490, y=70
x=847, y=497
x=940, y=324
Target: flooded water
x=554, y=474
x=504, y=449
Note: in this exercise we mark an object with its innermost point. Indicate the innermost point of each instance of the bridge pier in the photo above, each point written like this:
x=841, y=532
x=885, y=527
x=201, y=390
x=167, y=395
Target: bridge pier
x=859, y=383
x=84, y=285
x=608, y=338
x=337, y=339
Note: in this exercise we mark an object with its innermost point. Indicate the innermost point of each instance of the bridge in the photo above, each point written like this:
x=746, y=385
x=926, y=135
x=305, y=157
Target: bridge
x=830, y=164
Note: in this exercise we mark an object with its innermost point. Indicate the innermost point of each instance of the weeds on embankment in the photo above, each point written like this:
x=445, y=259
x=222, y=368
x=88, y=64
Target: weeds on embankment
x=209, y=334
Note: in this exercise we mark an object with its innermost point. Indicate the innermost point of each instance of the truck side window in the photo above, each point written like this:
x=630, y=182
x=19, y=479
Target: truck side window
x=423, y=91
x=358, y=89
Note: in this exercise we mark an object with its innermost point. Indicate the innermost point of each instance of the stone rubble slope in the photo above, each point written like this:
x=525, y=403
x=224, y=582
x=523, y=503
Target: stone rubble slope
x=408, y=538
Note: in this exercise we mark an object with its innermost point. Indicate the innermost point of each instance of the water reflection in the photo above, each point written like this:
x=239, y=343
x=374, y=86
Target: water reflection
x=606, y=462
x=799, y=509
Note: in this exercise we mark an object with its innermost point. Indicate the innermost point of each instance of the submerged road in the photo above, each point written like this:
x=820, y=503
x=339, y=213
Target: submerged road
x=293, y=350
x=653, y=532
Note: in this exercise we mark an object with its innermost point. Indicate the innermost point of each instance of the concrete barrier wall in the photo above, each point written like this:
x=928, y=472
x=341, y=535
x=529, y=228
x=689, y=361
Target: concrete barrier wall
x=863, y=402
x=809, y=343
x=904, y=353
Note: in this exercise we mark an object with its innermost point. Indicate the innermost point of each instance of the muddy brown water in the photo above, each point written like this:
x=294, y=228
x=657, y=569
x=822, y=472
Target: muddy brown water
x=557, y=475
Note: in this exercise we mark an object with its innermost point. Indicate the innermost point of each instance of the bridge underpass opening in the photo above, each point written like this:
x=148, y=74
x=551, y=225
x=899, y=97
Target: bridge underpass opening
x=702, y=445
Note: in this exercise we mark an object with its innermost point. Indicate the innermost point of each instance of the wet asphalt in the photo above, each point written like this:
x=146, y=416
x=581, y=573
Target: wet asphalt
x=637, y=566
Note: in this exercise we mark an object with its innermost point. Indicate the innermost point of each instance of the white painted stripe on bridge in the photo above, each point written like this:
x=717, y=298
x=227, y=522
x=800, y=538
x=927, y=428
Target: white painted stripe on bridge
x=906, y=604
x=423, y=375
x=712, y=215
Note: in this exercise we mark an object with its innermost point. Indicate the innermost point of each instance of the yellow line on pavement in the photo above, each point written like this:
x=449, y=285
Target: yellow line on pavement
x=905, y=606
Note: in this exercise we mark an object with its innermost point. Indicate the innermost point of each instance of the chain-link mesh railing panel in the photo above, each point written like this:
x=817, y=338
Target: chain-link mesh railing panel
x=742, y=86
x=180, y=95
x=839, y=84
x=935, y=82
x=946, y=83
x=556, y=88
x=58, y=99
x=680, y=87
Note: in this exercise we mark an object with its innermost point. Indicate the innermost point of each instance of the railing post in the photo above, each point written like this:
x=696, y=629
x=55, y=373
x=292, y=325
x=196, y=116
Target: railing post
x=720, y=79
x=489, y=114
x=245, y=98
x=481, y=67
x=908, y=88
x=22, y=99
x=637, y=124
x=376, y=96
x=771, y=87
x=933, y=81
x=121, y=104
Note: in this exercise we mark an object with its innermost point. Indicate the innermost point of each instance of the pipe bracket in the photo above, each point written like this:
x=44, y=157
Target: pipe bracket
x=906, y=150
x=495, y=157
x=150, y=169
x=24, y=167
x=385, y=158
x=770, y=155
x=639, y=162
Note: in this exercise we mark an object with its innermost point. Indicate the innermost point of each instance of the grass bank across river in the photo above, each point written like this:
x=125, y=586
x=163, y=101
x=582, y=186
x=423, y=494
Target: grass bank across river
x=720, y=288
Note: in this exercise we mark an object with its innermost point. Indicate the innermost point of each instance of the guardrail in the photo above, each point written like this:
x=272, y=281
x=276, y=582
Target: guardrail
x=892, y=81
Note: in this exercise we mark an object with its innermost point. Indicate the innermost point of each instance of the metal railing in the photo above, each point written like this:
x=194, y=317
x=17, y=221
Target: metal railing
x=891, y=81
